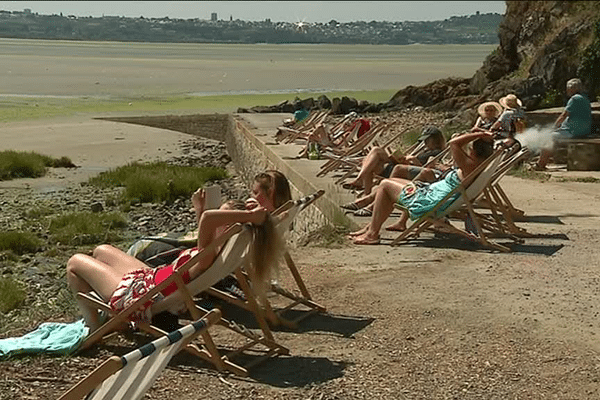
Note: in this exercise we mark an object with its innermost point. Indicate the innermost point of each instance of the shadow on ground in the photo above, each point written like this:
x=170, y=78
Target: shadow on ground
x=459, y=243
x=339, y=325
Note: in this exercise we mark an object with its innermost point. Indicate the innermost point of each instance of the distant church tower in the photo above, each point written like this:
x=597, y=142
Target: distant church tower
x=213, y=16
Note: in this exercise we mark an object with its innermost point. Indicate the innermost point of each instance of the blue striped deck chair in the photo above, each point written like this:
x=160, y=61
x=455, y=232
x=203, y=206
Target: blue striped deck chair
x=129, y=377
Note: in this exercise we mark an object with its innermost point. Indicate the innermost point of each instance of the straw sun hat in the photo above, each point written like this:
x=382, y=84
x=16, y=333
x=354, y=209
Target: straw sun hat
x=483, y=106
x=510, y=101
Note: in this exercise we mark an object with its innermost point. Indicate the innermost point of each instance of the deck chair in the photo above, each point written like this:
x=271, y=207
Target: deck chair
x=234, y=254
x=297, y=299
x=352, y=152
x=467, y=193
x=129, y=377
x=501, y=220
x=290, y=135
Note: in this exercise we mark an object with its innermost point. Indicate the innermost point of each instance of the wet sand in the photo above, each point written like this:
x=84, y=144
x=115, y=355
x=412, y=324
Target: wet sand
x=133, y=70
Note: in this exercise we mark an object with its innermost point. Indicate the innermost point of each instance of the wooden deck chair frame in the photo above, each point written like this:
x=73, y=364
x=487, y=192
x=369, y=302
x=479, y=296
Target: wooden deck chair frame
x=284, y=131
x=298, y=297
x=129, y=377
x=354, y=165
x=336, y=160
x=235, y=242
x=476, y=181
x=503, y=213
x=291, y=134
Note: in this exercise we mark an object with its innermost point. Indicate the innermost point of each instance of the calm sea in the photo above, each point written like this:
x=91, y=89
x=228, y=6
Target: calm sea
x=115, y=69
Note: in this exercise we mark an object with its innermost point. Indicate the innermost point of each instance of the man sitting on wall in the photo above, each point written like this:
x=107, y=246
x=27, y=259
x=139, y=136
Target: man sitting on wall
x=575, y=122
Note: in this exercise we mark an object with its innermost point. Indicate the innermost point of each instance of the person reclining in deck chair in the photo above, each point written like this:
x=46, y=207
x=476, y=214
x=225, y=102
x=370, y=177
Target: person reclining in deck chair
x=120, y=279
x=321, y=136
x=421, y=198
x=511, y=120
x=378, y=162
x=488, y=115
x=574, y=122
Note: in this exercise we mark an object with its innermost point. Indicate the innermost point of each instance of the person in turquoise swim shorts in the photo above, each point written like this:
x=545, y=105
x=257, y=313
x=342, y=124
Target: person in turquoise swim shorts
x=419, y=199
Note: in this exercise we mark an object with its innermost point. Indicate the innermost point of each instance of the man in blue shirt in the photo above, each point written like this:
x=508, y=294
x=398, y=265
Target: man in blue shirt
x=574, y=122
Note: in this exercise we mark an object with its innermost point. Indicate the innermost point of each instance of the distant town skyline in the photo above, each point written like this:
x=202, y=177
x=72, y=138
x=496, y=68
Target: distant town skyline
x=285, y=11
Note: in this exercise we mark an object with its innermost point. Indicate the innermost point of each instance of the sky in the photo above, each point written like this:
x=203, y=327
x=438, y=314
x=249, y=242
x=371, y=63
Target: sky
x=289, y=11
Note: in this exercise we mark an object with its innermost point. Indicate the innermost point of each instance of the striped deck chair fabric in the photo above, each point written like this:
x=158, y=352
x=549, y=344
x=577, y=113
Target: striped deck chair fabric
x=129, y=377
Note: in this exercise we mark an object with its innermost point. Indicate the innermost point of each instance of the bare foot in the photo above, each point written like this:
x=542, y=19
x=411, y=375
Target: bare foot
x=397, y=227
x=366, y=239
x=359, y=232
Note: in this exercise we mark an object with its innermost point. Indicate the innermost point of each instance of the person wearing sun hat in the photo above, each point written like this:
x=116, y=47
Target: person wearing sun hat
x=488, y=114
x=514, y=115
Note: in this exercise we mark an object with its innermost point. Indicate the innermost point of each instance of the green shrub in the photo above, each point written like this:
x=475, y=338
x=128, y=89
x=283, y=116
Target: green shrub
x=157, y=182
x=22, y=164
x=83, y=228
x=553, y=98
x=12, y=294
x=19, y=242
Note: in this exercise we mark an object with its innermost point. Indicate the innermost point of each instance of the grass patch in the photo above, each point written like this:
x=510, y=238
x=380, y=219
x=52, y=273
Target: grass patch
x=82, y=228
x=157, y=182
x=23, y=164
x=34, y=108
x=582, y=179
x=38, y=212
x=523, y=171
x=19, y=242
x=12, y=294
x=328, y=236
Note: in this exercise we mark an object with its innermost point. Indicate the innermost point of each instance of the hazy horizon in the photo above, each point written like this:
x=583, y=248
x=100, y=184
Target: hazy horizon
x=276, y=11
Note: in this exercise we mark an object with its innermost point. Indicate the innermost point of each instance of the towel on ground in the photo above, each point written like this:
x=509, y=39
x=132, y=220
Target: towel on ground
x=48, y=338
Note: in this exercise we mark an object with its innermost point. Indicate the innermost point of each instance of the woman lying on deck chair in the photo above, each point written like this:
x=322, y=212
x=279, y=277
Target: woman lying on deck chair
x=120, y=279
x=419, y=200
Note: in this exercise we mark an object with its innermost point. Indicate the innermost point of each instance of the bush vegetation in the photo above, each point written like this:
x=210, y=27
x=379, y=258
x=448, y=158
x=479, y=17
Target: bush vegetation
x=19, y=242
x=157, y=182
x=82, y=228
x=12, y=294
x=22, y=164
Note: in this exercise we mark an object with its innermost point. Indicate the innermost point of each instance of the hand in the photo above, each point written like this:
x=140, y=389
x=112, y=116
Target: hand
x=258, y=215
x=199, y=201
x=488, y=136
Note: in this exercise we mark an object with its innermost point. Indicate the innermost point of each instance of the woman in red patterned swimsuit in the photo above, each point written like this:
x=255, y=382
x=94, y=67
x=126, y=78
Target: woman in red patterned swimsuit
x=121, y=279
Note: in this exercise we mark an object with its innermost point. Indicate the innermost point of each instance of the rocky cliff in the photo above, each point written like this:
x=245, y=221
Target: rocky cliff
x=542, y=45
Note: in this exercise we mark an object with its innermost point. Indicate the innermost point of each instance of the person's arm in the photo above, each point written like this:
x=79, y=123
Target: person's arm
x=199, y=203
x=462, y=160
x=561, y=118
x=476, y=127
x=211, y=220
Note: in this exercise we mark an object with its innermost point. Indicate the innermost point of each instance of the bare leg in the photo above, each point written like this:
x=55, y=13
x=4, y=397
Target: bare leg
x=544, y=158
x=372, y=163
x=85, y=273
x=386, y=195
x=401, y=171
x=400, y=225
x=426, y=175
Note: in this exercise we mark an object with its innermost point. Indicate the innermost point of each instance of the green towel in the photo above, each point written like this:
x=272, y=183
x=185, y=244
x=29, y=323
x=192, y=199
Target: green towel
x=48, y=338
